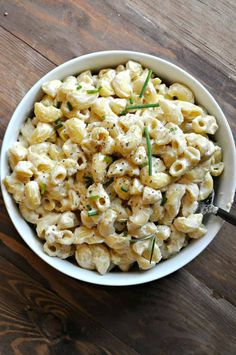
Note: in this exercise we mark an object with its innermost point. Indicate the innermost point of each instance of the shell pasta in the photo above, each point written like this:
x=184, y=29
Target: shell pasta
x=112, y=166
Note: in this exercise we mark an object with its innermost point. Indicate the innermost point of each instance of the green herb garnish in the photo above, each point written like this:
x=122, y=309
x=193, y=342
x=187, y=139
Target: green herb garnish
x=173, y=129
x=131, y=100
x=94, y=91
x=123, y=188
x=88, y=207
x=146, y=83
x=94, y=197
x=59, y=104
x=134, y=240
x=88, y=180
x=58, y=123
x=163, y=201
x=79, y=87
x=103, y=117
x=149, y=148
x=92, y=213
x=70, y=107
x=43, y=188
x=108, y=160
x=151, y=247
x=133, y=107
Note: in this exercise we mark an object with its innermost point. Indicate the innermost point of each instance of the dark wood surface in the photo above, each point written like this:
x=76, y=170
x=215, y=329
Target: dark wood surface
x=189, y=312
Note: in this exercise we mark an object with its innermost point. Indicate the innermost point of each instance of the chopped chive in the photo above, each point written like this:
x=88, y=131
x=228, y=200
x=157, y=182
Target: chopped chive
x=92, y=213
x=134, y=240
x=109, y=182
x=149, y=148
x=123, y=188
x=70, y=107
x=125, y=234
x=163, y=201
x=123, y=113
x=88, y=207
x=173, y=129
x=94, y=197
x=59, y=126
x=144, y=164
x=43, y=188
x=59, y=104
x=131, y=100
x=58, y=123
x=94, y=91
x=103, y=117
x=79, y=87
x=146, y=83
x=151, y=247
x=133, y=107
x=108, y=160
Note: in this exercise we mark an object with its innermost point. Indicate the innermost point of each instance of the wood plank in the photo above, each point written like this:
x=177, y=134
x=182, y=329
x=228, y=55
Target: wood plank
x=20, y=68
x=72, y=28
x=195, y=24
x=166, y=315
x=216, y=267
x=37, y=321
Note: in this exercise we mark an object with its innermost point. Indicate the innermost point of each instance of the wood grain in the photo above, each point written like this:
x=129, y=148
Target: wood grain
x=20, y=68
x=168, y=311
x=35, y=319
x=197, y=27
x=72, y=28
x=45, y=312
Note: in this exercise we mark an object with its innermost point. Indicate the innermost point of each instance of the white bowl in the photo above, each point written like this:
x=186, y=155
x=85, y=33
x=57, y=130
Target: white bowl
x=170, y=73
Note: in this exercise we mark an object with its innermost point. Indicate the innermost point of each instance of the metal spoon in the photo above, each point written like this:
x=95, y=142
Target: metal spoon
x=207, y=207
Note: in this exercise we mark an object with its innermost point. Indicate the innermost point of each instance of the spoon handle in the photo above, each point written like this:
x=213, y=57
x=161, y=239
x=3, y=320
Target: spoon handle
x=226, y=216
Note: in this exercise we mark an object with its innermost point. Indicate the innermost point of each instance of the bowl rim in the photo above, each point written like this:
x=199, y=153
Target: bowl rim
x=100, y=280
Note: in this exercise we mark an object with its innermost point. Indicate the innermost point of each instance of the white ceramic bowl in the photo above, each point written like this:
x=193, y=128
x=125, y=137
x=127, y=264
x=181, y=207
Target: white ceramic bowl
x=170, y=73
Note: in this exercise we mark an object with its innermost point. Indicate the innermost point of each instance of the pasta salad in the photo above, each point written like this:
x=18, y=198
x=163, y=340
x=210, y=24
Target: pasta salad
x=111, y=168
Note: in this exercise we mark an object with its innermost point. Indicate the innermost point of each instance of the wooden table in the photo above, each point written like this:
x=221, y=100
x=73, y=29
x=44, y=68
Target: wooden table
x=189, y=312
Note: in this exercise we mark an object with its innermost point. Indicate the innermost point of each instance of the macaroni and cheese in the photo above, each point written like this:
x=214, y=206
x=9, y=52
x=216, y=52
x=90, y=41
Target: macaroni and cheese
x=112, y=166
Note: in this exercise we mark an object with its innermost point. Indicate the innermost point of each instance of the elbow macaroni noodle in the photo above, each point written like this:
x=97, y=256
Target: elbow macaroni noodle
x=81, y=174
